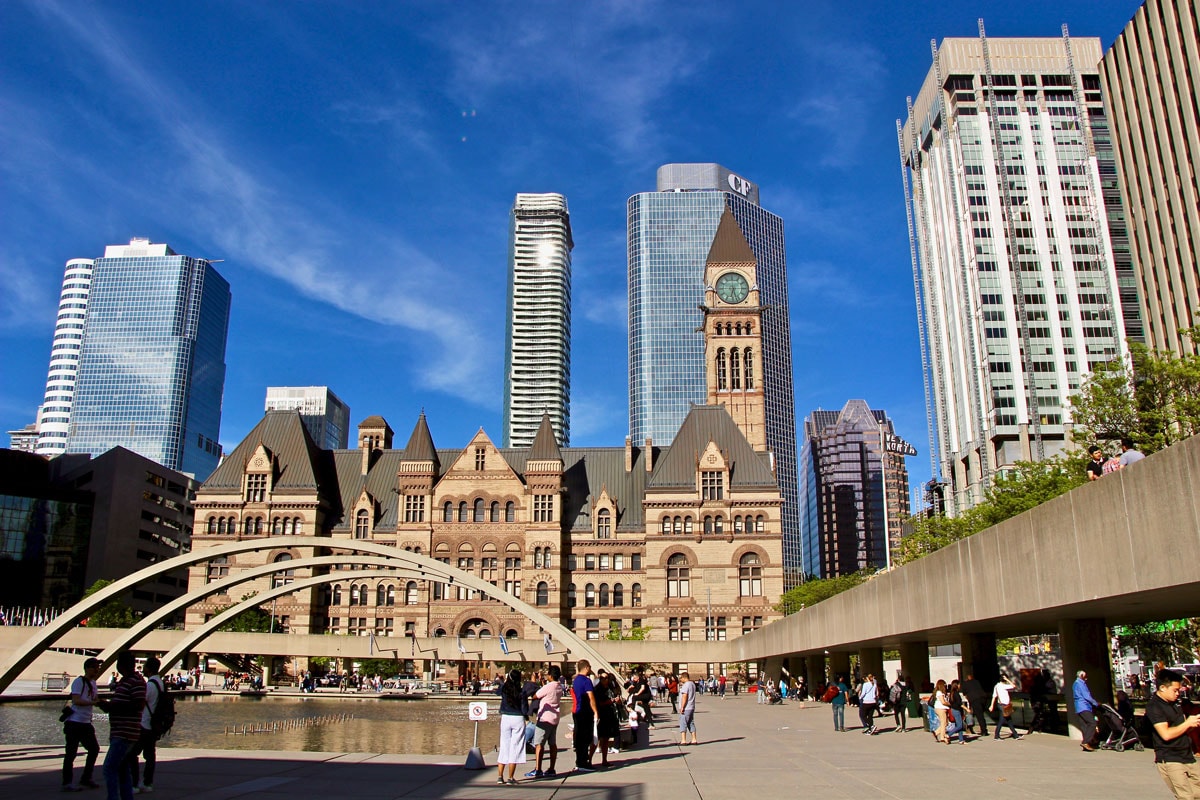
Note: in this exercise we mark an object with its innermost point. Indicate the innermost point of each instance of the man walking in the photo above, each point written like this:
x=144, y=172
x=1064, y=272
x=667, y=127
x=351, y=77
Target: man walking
x=1002, y=709
x=1085, y=709
x=972, y=689
x=78, y=729
x=687, y=709
x=146, y=747
x=583, y=714
x=1172, y=746
x=125, y=728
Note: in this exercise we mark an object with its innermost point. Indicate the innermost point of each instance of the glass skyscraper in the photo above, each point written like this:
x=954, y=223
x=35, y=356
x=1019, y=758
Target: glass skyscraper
x=670, y=232
x=152, y=366
x=1020, y=249
x=537, y=351
x=324, y=414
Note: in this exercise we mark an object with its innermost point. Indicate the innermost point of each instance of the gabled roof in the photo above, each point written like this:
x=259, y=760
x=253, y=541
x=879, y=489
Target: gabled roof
x=420, y=444
x=300, y=462
x=704, y=424
x=730, y=245
x=545, y=446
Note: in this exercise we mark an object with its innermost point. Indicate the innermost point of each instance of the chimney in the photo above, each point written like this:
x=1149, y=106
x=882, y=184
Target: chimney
x=649, y=454
x=629, y=454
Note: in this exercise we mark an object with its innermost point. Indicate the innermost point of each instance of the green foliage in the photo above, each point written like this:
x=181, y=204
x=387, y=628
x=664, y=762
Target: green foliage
x=1023, y=486
x=1172, y=642
x=815, y=590
x=387, y=667
x=115, y=613
x=252, y=620
x=1154, y=399
x=637, y=633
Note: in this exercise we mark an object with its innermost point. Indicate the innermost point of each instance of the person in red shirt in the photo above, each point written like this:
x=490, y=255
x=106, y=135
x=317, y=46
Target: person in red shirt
x=125, y=727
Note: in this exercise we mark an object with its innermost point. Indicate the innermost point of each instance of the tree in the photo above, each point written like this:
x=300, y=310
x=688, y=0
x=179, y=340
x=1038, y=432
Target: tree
x=814, y=590
x=252, y=620
x=1153, y=398
x=116, y=613
x=637, y=633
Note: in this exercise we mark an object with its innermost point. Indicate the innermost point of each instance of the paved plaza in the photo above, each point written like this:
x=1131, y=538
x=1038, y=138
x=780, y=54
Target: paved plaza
x=747, y=751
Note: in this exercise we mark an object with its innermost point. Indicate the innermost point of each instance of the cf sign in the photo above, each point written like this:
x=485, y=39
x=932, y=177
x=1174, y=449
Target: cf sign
x=739, y=185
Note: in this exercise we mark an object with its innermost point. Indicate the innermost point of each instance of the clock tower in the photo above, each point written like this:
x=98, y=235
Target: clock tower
x=733, y=331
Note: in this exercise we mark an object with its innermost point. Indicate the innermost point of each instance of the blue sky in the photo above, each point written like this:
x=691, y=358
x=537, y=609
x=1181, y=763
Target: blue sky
x=354, y=163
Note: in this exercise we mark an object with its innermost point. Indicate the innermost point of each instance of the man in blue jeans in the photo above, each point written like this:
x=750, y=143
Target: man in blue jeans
x=583, y=715
x=125, y=728
x=839, y=704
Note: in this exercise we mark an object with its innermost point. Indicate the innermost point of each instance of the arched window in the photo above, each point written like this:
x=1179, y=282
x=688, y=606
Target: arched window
x=722, y=371
x=448, y=512
x=363, y=594
x=248, y=526
x=760, y=523
x=543, y=594
x=495, y=511
x=212, y=525
x=735, y=369
x=337, y=594
x=283, y=577
x=537, y=558
x=221, y=525
x=666, y=526
x=708, y=524
x=480, y=514
x=381, y=595
x=738, y=328
x=687, y=526
x=618, y=595
x=510, y=511
x=635, y=595
x=362, y=524
x=287, y=526
x=679, y=574
x=604, y=595
x=571, y=598
x=411, y=596
x=391, y=595
x=353, y=594
x=748, y=366
x=750, y=576
x=718, y=525
x=589, y=595
x=276, y=526
x=737, y=524
x=299, y=527
x=463, y=512
x=603, y=524
x=547, y=561
x=678, y=526
x=258, y=526
x=749, y=328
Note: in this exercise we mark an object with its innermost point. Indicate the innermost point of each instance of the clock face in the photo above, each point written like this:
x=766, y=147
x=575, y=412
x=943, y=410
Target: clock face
x=732, y=287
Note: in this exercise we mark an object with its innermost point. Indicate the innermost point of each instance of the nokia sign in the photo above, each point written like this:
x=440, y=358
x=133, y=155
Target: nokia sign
x=740, y=184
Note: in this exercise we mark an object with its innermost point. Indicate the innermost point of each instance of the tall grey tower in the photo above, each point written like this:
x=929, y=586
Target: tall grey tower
x=1019, y=248
x=537, y=351
x=670, y=233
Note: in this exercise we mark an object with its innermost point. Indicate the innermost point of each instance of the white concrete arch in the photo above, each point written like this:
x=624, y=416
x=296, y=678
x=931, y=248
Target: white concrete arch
x=49, y=634
x=152, y=621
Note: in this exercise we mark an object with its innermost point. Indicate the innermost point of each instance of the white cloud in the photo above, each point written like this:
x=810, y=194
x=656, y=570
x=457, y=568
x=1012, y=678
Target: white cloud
x=837, y=97
x=251, y=219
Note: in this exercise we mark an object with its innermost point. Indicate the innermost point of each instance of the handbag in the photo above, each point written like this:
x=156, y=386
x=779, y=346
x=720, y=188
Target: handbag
x=66, y=713
x=1007, y=710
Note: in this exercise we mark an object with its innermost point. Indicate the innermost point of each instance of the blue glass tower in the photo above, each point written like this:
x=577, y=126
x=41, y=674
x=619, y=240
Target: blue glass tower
x=670, y=233
x=152, y=366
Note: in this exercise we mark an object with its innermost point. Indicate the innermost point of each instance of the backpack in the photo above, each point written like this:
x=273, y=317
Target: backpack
x=162, y=718
x=896, y=693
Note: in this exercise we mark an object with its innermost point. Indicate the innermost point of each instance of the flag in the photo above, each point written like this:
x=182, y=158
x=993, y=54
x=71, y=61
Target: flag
x=549, y=644
x=371, y=646
x=412, y=646
x=462, y=648
x=503, y=645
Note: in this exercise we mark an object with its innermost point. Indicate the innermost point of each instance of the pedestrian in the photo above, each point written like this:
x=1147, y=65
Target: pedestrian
x=1095, y=467
x=957, y=717
x=639, y=695
x=1129, y=453
x=899, y=703
x=78, y=730
x=977, y=700
x=687, y=709
x=608, y=726
x=514, y=709
x=868, y=699
x=1085, y=709
x=762, y=690
x=146, y=742
x=673, y=693
x=721, y=681
x=941, y=707
x=583, y=715
x=838, y=701
x=1169, y=731
x=125, y=727
x=545, y=718
x=1001, y=707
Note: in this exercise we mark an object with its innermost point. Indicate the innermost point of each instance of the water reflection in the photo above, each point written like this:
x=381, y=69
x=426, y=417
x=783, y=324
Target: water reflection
x=422, y=727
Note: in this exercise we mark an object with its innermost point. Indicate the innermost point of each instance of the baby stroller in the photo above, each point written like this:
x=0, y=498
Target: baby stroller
x=774, y=697
x=1120, y=734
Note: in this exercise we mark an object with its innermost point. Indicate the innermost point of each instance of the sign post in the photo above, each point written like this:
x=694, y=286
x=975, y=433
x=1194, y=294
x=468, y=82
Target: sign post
x=477, y=713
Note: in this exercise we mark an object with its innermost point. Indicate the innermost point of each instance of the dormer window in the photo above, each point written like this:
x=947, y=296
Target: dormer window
x=362, y=524
x=256, y=488
x=712, y=485
x=603, y=524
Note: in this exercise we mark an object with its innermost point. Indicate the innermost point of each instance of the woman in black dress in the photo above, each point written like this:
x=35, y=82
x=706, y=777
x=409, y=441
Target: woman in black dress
x=608, y=726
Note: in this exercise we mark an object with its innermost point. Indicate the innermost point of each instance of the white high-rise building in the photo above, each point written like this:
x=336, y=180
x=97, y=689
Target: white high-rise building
x=1019, y=262
x=537, y=352
x=323, y=413
x=54, y=417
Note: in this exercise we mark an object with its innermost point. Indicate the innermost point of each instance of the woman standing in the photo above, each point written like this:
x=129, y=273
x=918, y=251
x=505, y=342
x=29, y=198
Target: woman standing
x=608, y=726
x=955, y=700
x=514, y=708
x=941, y=707
x=673, y=693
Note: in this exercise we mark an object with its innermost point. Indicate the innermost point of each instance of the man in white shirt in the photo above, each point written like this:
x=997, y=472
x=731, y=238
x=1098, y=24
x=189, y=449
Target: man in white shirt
x=687, y=708
x=146, y=746
x=1001, y=707
x=77, y=727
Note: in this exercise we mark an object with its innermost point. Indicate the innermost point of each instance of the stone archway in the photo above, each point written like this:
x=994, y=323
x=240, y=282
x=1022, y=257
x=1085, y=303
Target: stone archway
x=424, y=565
